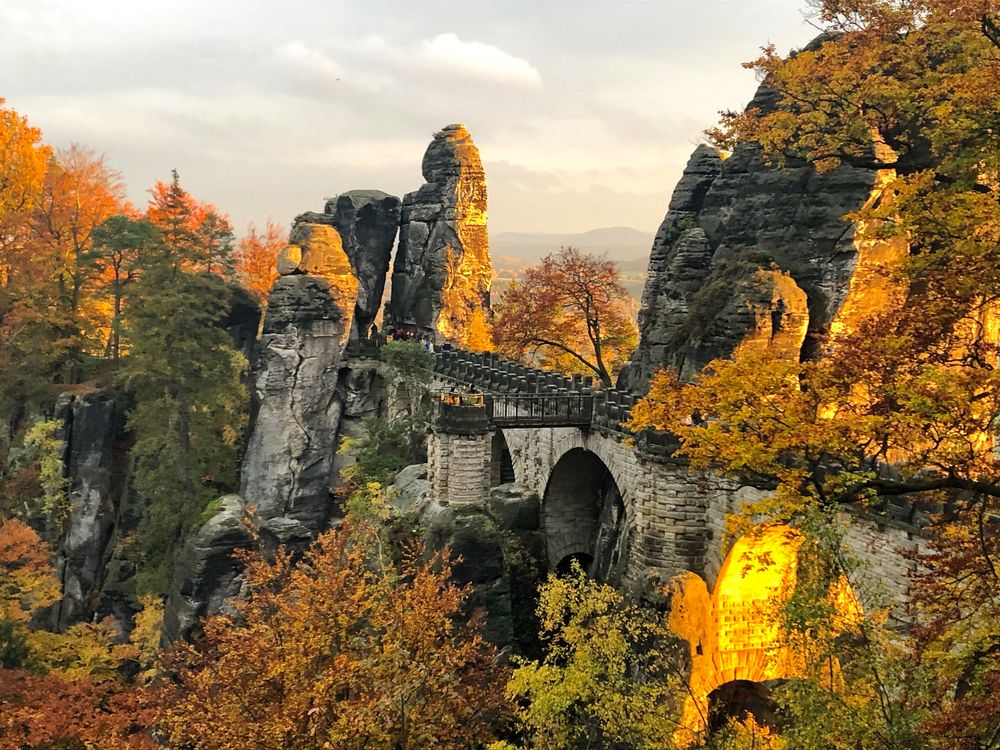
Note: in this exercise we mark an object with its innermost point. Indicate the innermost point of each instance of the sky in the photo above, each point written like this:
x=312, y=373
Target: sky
x=584, y=111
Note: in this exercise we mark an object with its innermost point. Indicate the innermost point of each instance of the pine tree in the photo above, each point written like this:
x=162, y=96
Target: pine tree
x=184, y=374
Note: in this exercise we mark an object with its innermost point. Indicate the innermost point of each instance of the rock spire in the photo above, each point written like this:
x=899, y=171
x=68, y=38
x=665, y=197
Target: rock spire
x=442, y=272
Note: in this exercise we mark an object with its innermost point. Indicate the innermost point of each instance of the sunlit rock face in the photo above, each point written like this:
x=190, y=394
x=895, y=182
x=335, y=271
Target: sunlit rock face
x=728, y=221
x=367, y=222
x=734, y=631
x=442, y=272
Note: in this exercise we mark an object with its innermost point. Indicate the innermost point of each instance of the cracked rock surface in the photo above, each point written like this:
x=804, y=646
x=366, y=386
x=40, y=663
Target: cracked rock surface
x=288, y=466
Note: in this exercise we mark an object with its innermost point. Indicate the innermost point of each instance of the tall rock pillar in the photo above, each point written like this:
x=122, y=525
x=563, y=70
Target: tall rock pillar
x=288, y=466
x=442, y=273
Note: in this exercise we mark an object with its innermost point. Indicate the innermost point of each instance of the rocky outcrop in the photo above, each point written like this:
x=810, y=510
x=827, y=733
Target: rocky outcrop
x=367, y=222
x=442, y=272
x=735, y=228
x=288, y=466
x=207, y=573
x=93, y=433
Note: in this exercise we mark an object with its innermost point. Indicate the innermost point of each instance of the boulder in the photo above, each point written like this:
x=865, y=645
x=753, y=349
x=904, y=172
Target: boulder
x=476, y=541
x=442, y=272
x=410, y=489
x=515, y=509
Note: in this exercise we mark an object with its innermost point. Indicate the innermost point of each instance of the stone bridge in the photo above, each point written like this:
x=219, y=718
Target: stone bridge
x=636, y=515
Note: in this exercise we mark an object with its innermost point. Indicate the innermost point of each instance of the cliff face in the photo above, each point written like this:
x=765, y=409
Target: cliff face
x=747, y=253
x=367, y=222
x=93, y=431
x=287, y=469
x=442, y=272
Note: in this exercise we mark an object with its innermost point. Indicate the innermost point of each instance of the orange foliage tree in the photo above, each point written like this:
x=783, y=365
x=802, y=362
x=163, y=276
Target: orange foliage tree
x=51, y=710
x=81, y=191
x=571, y=308
x=343, y=649
x=23, y=162
x=26, y=579
x=905, y=405
x=199, y=237
x=256, y=258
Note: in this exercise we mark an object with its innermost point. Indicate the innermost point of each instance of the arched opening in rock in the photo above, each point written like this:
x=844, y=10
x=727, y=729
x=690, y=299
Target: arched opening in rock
x=501, y=463
x=584, y=516
x=740, y=699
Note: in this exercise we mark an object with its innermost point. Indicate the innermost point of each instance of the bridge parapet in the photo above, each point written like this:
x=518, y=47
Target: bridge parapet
x=494, y=375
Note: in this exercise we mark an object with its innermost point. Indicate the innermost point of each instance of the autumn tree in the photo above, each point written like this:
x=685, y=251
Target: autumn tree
x=59, y=689
x=185, y=375
x=199, y=237
x=605, y=680
x=23, y=162
x=79, y=193
x=120, y=244
x=343, y=649
x=572, y=310
x=904, y=404
x=256, y=258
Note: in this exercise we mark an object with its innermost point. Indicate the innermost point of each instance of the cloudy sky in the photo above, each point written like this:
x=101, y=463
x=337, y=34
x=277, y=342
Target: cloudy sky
x=584, y=111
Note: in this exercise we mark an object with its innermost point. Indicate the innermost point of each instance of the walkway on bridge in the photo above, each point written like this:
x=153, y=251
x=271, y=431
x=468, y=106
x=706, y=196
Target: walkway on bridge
x=516, y=395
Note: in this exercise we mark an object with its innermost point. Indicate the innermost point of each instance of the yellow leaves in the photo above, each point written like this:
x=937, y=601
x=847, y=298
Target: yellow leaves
x=27, y=582
x=603, y=681
x=85, y=650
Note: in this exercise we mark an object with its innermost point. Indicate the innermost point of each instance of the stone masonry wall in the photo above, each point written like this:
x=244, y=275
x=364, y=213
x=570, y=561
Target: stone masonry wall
x=676, y=516
x=458, y=467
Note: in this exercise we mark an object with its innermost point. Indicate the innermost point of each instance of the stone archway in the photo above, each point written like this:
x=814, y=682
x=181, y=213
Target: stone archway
x=737, y=653
x=583, y=516
x=501, y=463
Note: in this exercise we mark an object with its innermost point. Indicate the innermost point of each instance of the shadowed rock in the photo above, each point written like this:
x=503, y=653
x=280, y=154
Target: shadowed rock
x=738, y=240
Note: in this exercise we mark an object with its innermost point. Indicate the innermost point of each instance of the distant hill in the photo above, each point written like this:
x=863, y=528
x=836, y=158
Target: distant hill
x=512, y=252
x=622, y=244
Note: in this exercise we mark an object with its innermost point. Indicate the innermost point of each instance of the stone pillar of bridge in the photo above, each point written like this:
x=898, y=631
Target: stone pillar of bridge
x=459, y=455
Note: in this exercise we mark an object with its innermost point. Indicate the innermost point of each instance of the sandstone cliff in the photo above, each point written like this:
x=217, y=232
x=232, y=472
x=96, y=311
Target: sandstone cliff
x=367, y=222
x=287, y=469
x=442, y=272
x=746, y=253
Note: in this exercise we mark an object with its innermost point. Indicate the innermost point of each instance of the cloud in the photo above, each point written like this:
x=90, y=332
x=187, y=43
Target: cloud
x=446, y=53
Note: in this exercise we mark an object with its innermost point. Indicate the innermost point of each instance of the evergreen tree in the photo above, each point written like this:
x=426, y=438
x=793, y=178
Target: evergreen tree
x=184, y=374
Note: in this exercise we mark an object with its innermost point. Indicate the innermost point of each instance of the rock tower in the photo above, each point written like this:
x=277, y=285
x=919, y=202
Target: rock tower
x=442, y=272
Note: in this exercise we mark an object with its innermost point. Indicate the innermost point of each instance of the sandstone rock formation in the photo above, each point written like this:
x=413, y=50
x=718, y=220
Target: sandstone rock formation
x=738, y=240
x=288, y=465
x=367, y=221
x=206, y=573
x=93, y=426
x=442, y=273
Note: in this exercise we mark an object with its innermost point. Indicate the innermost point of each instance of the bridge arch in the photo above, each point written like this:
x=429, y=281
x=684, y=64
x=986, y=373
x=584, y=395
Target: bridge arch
x=584, y=516
x=737, y=652
x=501, y=462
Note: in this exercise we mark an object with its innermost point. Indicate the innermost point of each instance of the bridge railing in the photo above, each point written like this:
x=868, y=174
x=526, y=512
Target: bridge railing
x=545, y=394
x=529, y=410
